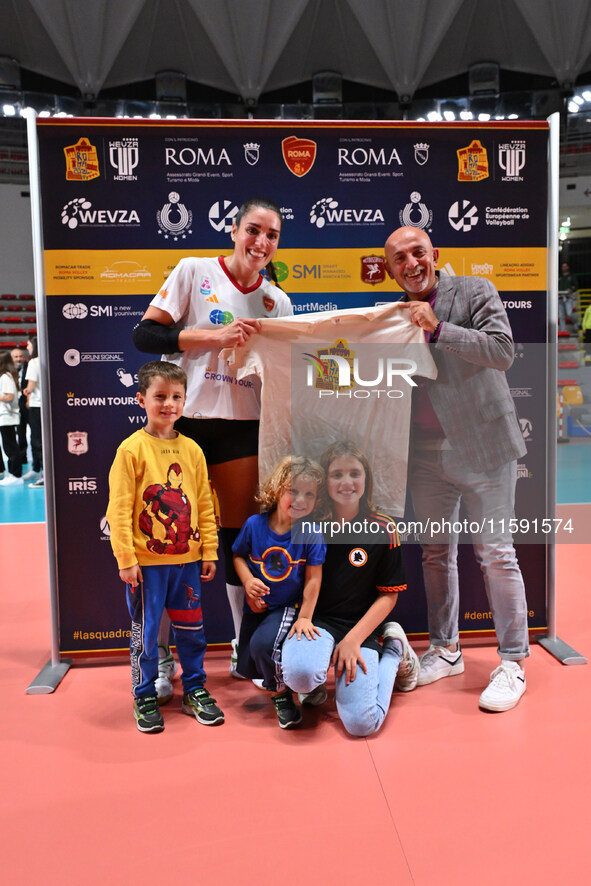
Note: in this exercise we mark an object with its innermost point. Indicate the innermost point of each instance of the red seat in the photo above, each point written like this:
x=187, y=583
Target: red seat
x=568, y=364
x=27, y=297
x=566, y=381
x=8, y=297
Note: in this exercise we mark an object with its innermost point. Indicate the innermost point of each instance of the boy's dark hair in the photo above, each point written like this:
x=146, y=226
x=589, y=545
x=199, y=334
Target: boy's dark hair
x=169, y=371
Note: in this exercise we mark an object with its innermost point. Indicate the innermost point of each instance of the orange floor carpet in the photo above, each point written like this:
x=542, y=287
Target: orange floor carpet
x=443, y=794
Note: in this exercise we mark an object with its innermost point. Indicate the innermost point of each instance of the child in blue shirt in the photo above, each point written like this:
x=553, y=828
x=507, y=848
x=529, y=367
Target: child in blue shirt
x=281, y=568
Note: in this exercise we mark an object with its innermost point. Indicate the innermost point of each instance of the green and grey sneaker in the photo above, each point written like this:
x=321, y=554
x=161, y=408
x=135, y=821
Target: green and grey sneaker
x=198, y=703
x=288, y=712
x=147, y=715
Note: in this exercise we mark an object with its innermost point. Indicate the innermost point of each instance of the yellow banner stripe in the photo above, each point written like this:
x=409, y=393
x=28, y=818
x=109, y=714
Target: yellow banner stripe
x=142, y=271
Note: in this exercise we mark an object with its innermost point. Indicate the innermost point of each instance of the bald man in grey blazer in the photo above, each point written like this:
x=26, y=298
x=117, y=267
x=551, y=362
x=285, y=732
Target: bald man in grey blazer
x=465, y=445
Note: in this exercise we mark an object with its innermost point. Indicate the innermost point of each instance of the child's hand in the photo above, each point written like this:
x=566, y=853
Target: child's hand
x=132, y=575
x=208, y=568
x=255, y=588
x=346, y=656
x=257, y=604
x=303, y=626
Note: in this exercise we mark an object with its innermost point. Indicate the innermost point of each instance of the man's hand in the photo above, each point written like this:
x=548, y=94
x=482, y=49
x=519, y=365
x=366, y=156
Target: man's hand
x=421, y=314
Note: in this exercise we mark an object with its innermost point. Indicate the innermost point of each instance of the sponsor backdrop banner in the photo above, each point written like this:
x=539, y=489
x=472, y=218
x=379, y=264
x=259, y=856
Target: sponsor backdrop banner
x=124, y=201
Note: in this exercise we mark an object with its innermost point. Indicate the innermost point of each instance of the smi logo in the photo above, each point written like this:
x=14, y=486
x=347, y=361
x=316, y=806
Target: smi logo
x=326, y=211
x=79, y=212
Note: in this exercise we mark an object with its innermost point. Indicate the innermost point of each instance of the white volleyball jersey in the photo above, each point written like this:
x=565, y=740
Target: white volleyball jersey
x=339, y=375
x=201, y=294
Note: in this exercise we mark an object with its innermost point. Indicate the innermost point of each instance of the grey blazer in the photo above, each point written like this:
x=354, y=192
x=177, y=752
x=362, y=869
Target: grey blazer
x=470, y=395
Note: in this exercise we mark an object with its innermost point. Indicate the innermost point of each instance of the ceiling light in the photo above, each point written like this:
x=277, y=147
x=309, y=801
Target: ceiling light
x=449, y=115
x=466, y=115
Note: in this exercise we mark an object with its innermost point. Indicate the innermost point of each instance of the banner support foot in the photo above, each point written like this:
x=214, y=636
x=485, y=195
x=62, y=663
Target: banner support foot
x=49, y=678
x=562, y=651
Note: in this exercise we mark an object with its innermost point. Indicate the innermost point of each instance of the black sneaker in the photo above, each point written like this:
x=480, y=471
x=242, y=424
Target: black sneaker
x=198, y=703
x=147, y=715
x=288, y=712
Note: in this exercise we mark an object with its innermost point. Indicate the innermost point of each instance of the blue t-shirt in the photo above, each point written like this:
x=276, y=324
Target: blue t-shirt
x=277, y=560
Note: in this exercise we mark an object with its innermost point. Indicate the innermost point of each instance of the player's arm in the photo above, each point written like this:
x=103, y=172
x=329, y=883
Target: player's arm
x=157, y=333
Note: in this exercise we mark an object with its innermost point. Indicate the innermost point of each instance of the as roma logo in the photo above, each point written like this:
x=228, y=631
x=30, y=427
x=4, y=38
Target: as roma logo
x=299, y=154
x=472, y=162
x=81, y=161
x=357, y=557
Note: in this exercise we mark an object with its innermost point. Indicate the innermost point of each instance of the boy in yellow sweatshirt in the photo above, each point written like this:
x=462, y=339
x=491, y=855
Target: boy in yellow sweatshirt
x=164, y=537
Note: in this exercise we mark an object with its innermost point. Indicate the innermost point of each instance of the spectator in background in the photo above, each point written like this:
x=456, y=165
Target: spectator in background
x=33, y=394
x=20, y=359
x=9, y=418
x=567, y=299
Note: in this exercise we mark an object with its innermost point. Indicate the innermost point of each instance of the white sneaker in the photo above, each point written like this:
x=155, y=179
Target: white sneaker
x=438, y=662
x=167, y=668
x=409, y=667
x=234, y=661
x=507, y=685
x=32, y=475
x=37, y=484
x=11, y=480
x=317, y=697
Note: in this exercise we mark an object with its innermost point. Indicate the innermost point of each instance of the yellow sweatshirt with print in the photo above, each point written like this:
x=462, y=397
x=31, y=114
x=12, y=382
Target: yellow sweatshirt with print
x=160, y=507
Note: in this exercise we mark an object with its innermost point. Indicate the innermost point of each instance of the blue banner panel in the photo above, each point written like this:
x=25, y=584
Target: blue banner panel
x=123, y=201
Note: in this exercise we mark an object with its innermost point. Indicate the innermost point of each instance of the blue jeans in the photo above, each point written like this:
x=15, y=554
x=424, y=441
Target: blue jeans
x=438, y=480
x=364, y=703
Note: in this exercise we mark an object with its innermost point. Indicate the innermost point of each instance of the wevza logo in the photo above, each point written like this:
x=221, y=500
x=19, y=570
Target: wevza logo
x=82, y=485
x=326, y=211
x=335, y=371
x=367, y=157
x=80, y=213
x=196, y=157
x=124, y=156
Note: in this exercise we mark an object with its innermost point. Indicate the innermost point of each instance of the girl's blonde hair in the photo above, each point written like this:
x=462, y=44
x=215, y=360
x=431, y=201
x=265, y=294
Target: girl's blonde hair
x=282, y=477
x=347, y=449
